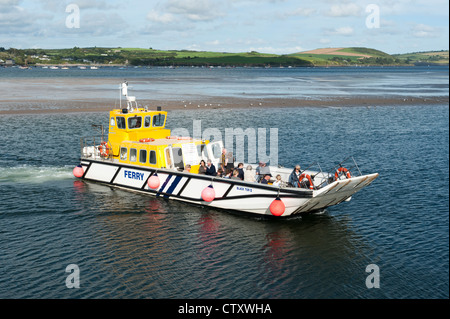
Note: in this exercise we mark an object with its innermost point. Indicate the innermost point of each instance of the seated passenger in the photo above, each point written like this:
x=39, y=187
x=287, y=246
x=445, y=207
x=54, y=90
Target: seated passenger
x=240, y=168
x=187, y=168
x=278, y=181
x=210, y=169
x=220, y=172
x=249, y=176
x=266, y=179
x=295, y=175
x=202, y=167
x=236, y=175
x=227, y=173
x=264, y=170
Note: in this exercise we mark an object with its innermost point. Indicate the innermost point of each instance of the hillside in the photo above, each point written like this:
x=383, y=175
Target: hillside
x=150, y=57
x=348, y=56
x=426, y=58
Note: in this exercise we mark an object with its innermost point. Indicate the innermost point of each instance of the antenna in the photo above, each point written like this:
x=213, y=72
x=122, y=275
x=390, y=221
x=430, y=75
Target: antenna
x=130, y=99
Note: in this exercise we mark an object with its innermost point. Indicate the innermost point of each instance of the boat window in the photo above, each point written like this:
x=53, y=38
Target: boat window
x=147, y=121
x=143, y=156
x=178, y=157
x=120, y=122
x=123, y=153
x=158, y=120
x=152, y=159
x=134, y=122
x=112, y=122
x=133, y=155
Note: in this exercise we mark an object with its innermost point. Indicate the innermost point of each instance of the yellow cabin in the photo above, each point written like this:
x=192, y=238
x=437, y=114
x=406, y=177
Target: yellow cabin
x=139, y=137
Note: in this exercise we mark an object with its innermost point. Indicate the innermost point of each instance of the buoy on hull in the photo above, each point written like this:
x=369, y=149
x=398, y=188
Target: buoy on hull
x=208, y=194
x=78, y=171
x=277, y=207
x=153, y=182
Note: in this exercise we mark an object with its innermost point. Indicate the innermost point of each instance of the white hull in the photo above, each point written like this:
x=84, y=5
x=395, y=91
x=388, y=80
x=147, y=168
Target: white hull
x=229, y=194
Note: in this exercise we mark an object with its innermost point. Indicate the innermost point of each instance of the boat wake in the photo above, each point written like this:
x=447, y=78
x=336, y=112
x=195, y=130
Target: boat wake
x=26, y=174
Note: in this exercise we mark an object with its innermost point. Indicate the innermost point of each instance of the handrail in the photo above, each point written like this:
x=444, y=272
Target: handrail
x=91, y=145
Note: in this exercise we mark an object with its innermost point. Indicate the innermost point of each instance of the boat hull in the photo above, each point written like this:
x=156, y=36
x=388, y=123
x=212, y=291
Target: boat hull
x=230, y=194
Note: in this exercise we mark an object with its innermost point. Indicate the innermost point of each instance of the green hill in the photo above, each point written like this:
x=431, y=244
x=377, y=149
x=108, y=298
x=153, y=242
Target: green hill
x=150, y=57
x=348, y=56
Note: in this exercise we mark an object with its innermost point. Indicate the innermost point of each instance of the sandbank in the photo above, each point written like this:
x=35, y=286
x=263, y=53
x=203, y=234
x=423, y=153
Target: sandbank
x=207, y=103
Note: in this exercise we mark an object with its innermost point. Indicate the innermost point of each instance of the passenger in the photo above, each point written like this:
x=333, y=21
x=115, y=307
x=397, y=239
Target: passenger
x=236, y=175
x=264, y=170
x=278, y=181
x=187, y=168
x=249, y=176
x=240, y=168
x=223, y=159
x=258, y=172
x=210, y=169
x=220, y=172
x=202, y=167
x=295, y=175
x=266, y=179
x=228, y=173
x=229, y=160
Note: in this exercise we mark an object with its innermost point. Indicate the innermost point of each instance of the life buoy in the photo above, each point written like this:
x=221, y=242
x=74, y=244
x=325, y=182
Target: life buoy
x=146, y=140
x=302, y=177
x=104, y=149
x=338, y=172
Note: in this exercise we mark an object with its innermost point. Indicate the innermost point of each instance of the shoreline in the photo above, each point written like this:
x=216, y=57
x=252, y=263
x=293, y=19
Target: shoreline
x=208, y=103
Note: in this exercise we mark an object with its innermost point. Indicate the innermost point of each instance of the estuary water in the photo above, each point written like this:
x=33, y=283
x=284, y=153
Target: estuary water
x=129, y=245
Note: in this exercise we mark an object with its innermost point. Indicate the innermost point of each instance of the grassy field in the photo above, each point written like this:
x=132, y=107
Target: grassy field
x=151, y=57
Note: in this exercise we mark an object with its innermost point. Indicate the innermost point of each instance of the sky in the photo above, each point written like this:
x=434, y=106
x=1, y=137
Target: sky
x=266, y=26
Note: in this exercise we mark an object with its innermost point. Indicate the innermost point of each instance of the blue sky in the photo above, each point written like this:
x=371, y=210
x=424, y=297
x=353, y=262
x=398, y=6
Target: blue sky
x=270, y=26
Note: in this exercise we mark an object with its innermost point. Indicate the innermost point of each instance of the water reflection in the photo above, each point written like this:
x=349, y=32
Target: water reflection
x=167, y=249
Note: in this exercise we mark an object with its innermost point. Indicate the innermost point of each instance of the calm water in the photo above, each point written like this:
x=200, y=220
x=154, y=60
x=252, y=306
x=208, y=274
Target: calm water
x=128, y=245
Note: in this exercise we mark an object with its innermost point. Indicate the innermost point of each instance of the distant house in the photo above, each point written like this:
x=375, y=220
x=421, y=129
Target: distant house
x=10, y=62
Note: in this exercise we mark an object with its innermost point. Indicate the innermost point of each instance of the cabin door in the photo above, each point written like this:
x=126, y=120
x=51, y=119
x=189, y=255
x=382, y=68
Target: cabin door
x=169, y=157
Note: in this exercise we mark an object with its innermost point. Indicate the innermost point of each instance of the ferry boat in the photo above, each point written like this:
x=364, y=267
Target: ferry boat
x=140, y=154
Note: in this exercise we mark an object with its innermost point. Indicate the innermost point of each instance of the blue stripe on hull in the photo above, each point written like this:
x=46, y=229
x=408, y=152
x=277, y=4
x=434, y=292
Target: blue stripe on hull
x=172, y=186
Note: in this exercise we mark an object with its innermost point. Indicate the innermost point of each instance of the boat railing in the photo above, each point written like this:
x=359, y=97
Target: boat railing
x=347, y=165
x=318, y=173
x=96, y=147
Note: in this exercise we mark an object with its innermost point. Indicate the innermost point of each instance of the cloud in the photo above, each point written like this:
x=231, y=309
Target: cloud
x=17, y=20
x=195, y=10
x=158, y=17
x=424, y=31
x=340, y=31
x=305, y=12
x=344, y=10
